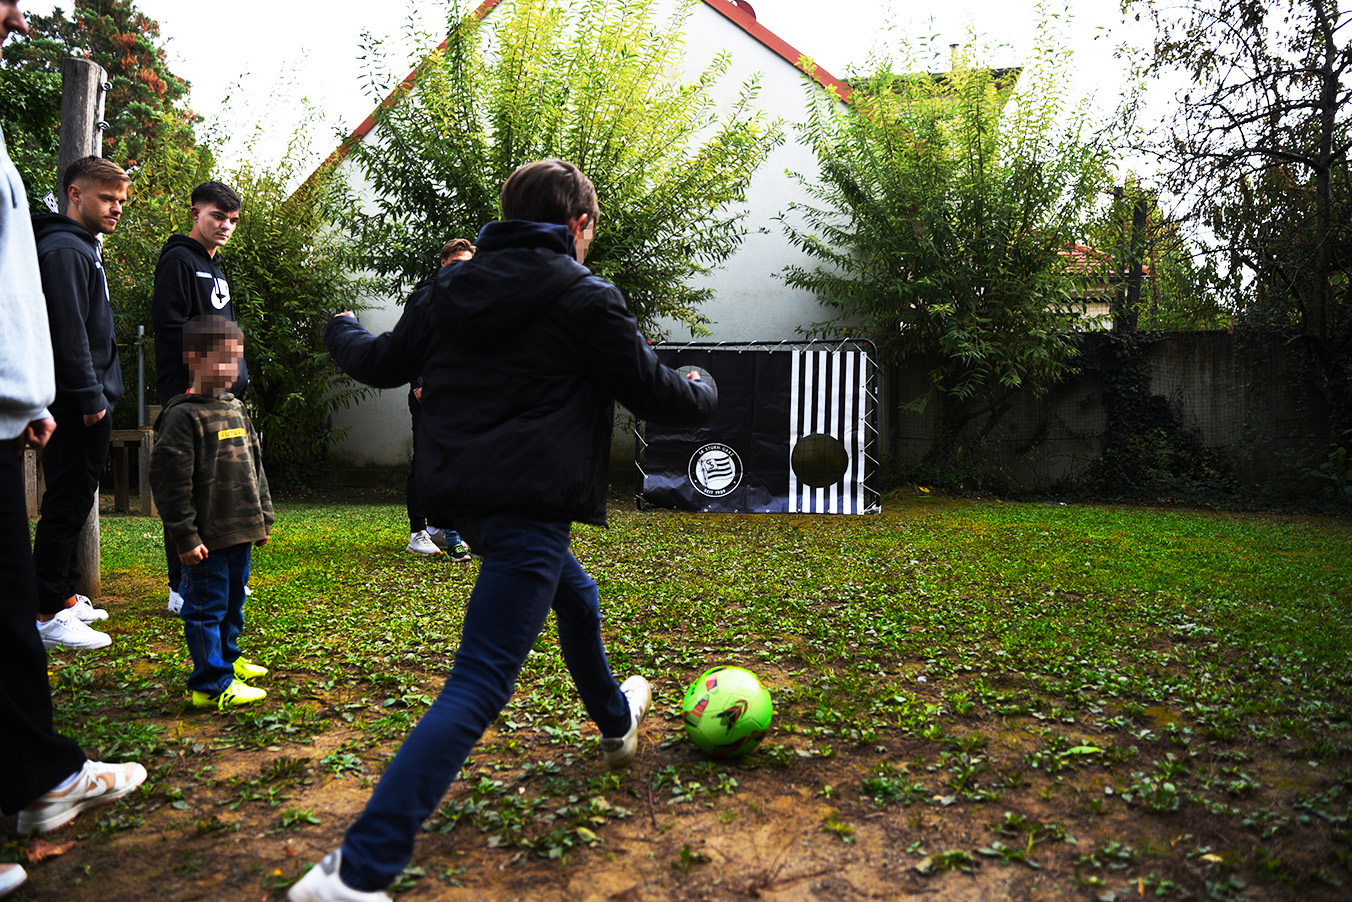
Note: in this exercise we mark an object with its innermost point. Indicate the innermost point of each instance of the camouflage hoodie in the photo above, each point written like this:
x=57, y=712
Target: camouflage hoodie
x=207, y=473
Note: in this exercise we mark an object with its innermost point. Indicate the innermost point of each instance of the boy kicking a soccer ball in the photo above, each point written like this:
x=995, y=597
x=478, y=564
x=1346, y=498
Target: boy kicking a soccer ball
x=206, y=471
x=523, y=352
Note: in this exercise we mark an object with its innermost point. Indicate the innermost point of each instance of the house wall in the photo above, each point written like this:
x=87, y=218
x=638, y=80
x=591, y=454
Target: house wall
x=750, y=302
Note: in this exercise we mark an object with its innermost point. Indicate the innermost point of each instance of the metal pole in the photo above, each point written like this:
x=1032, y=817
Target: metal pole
x=140, y=377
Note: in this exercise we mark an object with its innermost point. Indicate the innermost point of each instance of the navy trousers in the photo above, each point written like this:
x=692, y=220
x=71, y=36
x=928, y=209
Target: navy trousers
x=72, y=463
x=527, y=571
x=213, y=615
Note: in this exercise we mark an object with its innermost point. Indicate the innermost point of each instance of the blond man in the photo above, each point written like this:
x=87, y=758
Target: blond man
x=88, y=384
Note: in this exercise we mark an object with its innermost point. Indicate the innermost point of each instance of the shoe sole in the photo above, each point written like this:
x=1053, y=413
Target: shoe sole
x=57, y=644
x=215, y=702
x=60, y=820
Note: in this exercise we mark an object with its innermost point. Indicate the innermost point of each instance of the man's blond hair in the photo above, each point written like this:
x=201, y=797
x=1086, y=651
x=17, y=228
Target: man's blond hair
x=94, y=169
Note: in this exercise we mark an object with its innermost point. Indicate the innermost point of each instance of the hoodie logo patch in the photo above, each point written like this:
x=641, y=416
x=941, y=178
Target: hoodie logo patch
x=220, y=298
x=225, y=434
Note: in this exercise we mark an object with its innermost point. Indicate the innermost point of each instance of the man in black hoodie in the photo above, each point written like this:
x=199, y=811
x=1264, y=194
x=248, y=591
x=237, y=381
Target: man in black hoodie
x=522, y=351
x=190, y=281
x=88, y=384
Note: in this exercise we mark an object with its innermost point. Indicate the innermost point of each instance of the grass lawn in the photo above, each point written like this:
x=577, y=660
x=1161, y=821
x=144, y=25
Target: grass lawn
x=974, y=699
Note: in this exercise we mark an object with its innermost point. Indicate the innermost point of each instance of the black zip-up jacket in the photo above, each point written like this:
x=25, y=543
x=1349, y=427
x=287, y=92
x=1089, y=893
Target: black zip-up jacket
x=188, y=282
x=80, y=316
x=522, y=353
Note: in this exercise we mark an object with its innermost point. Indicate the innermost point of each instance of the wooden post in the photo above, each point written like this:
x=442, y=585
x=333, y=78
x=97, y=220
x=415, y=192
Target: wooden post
x=148, y=508
x=87, y=555
x=1134, y=265
x=81, y=116
x=82, y=93
x=32, y=481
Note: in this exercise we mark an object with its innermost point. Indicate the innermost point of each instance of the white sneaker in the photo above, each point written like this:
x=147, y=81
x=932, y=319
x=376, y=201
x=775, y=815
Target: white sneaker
x=420, y=543
x=65, y=630
x=11, y=877
x=175, y=602
x=96, y=784
x=85, y=610
x=322, y=884
x=619, y=750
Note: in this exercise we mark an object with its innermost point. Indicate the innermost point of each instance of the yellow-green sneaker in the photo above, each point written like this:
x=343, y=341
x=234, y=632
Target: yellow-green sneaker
x=236, y=694
x=248, y=670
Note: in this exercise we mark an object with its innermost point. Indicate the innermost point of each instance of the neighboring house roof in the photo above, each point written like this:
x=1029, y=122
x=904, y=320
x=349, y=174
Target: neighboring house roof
x=739, y=12
x=1085, y=260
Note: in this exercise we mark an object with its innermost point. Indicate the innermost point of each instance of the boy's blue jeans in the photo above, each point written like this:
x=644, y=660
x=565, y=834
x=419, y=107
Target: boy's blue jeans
x=527, y=570
x=213, y=615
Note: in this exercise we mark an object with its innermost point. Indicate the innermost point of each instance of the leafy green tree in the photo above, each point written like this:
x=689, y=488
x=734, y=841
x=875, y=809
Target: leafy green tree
x=30, y=114
x=1257, y=155
x=144, y=107
x=1182, y=287
x=289, y=270
x=1257, y=148
x=594, y=82
x=939, y=221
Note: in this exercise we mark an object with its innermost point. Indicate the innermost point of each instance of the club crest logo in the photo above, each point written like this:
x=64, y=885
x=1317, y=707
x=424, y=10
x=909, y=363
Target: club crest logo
x=715, y=470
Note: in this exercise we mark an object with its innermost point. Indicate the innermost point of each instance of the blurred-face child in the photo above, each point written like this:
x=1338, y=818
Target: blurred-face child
x=212, y=349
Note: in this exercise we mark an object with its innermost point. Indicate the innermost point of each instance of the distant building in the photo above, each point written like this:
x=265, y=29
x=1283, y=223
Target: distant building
x=1103, y=281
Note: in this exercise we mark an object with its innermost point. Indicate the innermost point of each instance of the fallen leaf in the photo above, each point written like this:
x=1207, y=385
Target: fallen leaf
x=41, y=850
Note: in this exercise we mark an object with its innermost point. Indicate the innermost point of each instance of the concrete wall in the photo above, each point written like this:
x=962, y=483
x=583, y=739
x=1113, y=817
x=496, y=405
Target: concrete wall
x=1242, y=401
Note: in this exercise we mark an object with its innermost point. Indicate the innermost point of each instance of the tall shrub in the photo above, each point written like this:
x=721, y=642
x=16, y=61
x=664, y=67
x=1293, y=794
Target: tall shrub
x=597, y=83
x=939, y=221
x=289, y=270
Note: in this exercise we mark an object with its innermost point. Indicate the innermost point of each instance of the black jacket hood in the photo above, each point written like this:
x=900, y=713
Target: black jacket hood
x=520, y=267
x=188, y=243
x=46, y=224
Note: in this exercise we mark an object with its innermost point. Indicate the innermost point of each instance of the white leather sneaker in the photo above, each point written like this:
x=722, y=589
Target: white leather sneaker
x=85, y=610
x=66, y=630
x=619, y=750
x=323, y=884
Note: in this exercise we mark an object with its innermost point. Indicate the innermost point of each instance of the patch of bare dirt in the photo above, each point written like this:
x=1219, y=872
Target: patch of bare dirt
x=770, y=839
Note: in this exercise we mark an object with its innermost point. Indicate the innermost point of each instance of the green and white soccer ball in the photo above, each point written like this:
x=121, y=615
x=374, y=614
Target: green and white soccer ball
x=727, y=712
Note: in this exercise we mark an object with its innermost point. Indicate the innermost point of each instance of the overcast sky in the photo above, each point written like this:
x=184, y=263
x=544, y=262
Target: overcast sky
x=314, y=46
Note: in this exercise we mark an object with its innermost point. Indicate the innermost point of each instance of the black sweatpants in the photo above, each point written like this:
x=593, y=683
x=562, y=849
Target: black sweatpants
x=72, y=463
x=34, y=758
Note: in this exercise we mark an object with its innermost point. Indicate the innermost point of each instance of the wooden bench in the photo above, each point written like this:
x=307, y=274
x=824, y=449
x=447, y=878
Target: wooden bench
x=124, y=439
x=142, y=437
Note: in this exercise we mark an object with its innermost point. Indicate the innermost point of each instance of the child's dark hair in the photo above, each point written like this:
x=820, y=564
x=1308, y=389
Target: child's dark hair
x=206, y=333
